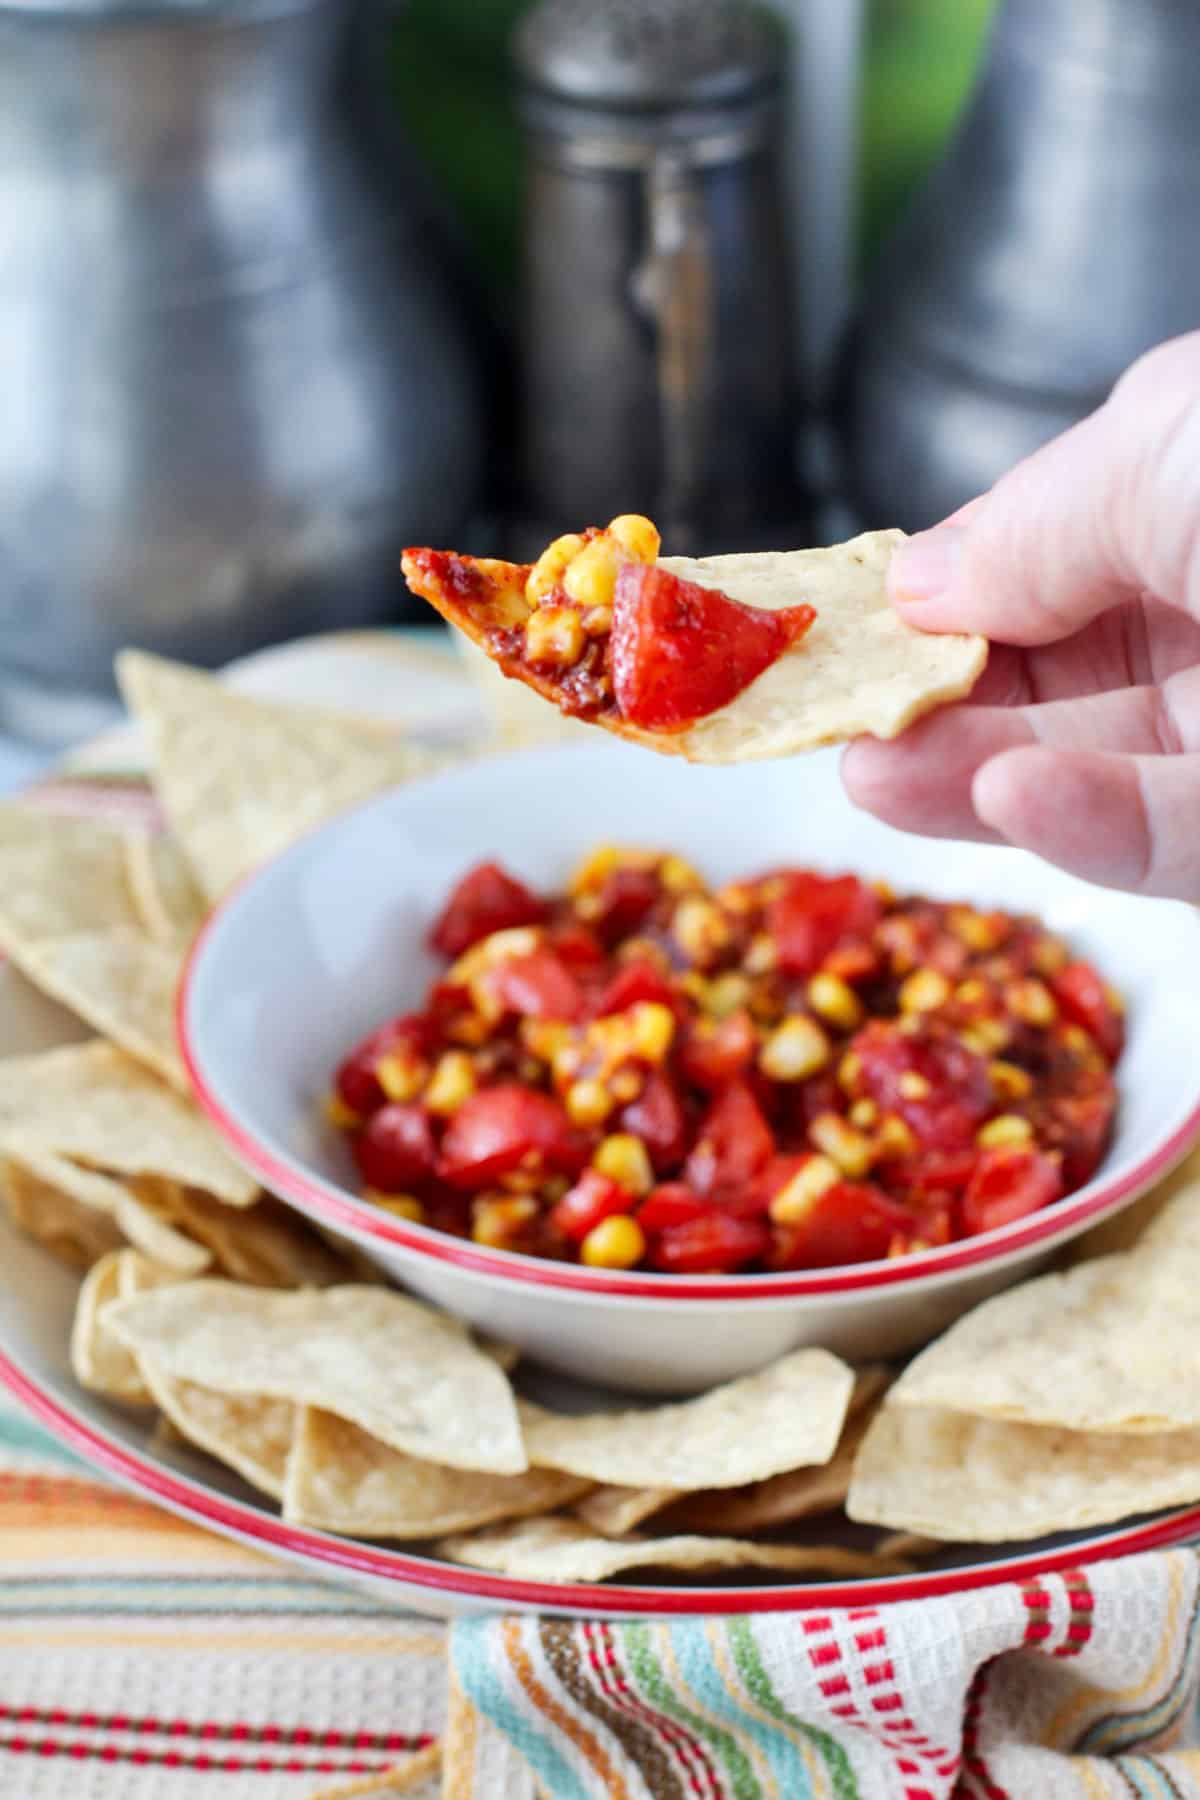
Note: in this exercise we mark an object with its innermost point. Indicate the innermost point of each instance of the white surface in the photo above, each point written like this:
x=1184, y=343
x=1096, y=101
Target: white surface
x=329, y=940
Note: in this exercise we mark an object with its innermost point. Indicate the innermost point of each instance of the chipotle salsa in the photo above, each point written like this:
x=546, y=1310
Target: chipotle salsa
x=793, y=1071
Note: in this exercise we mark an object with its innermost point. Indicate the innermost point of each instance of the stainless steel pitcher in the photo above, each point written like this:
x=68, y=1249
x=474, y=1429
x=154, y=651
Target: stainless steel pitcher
x=234, y=374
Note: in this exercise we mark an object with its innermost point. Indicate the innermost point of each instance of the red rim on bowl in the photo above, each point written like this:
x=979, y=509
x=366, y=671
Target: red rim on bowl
x=341, y=1210
x=239, y=1519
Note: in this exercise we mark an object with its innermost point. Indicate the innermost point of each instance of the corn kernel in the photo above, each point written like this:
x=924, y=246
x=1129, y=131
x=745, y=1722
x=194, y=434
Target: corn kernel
x=864, y=1114
x=924, y=991
x=795, y=1200
x=341, y=1115
x=452, y=1082
x=497, y=947
x=653, y=1029
x=913, y=1085
x=1004, y=1129
x=993, y=1035
x=642, y=949
x=971, y=992
x=1010, y=1082
x=725, y=994
x=544, y=1038
x=883, y=892
x=1049, y=955
x=597, y=620
x=1076, y=1039
x=849, y=1070
x=496, y=1223
x=624, y=1159
x=976, y=930
x=554, y=634
x=694, y=985
x=836, y=1001
x=737, y=897
x=795, y=1050
x=678, y=876
x=637, y=536
x=617, y=1242
x=401, y=1075
x=1032, y=1002
x=626, y=1085
x=972, y=1039
x=1116, y=1001
x=591, y=577
x=849, y=1149
x=700, y=929
x=894, y=1140
x=551, y=565
x=588, y=1103
x=761, y=954
x=469, y=1028
x=566, y=1062
x=401, y=1206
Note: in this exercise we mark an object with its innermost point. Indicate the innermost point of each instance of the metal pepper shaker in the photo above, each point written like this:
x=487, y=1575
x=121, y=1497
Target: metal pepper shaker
x=656, y=331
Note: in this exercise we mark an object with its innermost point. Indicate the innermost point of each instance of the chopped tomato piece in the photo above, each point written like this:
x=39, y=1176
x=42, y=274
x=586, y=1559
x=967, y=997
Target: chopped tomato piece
x=621, y=902
x=536, y=986
x=939, y=1087
x=395, y=1151
x=494, y=1131
x=680, y=651
x=1084, y=998
x=658, y=1118
x=1008, y=1184
x=485, y=900
x=851, y=1222
x=578, y=947
x=815, y=915
x=594, y=1197
x=670, y=1204
x=712, y=1055
x=732, y=1145
x=711, y=1245
x=635, y=982
x=1079, y=1126
x=356, y=1083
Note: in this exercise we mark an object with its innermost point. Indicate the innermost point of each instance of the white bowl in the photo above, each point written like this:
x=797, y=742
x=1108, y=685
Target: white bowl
x=323, y=943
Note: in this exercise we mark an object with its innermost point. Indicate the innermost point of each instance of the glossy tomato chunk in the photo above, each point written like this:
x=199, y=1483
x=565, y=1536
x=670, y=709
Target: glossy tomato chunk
x=851, y=1222
x=494, y=1131
x=594, y=1197
x=536, y=986
x=815, y=915
x=733, y=1143
x=634, y=982
x=355, y=1082
x=1008, y=1184
x=395, y=1151
x=658, y=1117
x=712, y=1056
x=485, y=900
x=670, y=1204
x=713, y=1244
x=939, y=1087
x=621, y=902
x=1085, y=1000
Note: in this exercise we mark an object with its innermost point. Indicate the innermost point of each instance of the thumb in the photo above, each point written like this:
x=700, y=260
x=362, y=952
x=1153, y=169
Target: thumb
x=1108, y=510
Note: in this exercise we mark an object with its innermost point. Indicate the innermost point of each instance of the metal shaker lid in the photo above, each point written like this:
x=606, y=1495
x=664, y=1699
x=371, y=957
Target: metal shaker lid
x=649, y=54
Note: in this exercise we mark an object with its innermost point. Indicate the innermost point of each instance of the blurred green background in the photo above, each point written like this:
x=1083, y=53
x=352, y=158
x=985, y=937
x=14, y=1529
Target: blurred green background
x=453, y=90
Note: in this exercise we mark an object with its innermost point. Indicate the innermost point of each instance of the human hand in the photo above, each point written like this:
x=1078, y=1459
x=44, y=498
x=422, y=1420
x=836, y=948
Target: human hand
x=1081, y=741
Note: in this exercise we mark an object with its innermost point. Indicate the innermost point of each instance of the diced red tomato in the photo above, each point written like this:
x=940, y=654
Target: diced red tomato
x=1008, y=1184
x=496, y=1129
x=395, y=1151
x=851, y=1222
x=1083, y=997
x=657, y=1116
x=594, y=1197
x=536, y=986
x=621, y=902
x=815, y=915
x=670, y=1204
x=918, y=1178
x=355, y=1081
x=712, y=1057
x=958, y=1094
x=680, y=651
x=732, y=1144
x=485, y=900
x=575, y=945
x=713, y=1244
x=635, y=982
x=1079, y=1125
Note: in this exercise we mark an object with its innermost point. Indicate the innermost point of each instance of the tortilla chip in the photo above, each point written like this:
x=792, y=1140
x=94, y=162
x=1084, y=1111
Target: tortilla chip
x=782, y=1417
x=59, y=875
x=1178, y=1197
x=137, y=1223
x=264, y=1244
x=1111, y=1345
x=249, y=1434
x=118, y=983
x=560, y=1549
x=341, y=1479
x=97, y=1104
x=518, y=715
x=408, y=1375
x=616, y=1511
x=858, y=669
x=76, y=1233
x=967, y=1480
x=166, y=899
x=241, y=779
x=100, y=1361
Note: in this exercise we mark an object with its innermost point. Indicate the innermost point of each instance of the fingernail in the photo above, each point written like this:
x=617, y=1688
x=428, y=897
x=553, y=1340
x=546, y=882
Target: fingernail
x=925, y=565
